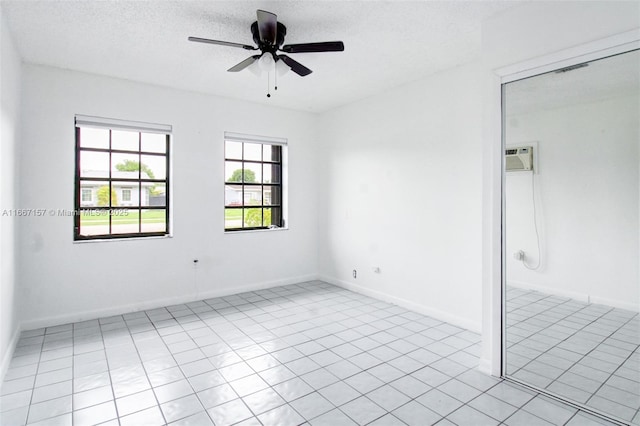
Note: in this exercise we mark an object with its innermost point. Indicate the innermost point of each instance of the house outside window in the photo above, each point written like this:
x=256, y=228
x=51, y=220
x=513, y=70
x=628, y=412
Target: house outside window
x=255, y=179
x=122, y=179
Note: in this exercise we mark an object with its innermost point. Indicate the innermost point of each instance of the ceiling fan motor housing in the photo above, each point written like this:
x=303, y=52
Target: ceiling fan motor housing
x=267, y=47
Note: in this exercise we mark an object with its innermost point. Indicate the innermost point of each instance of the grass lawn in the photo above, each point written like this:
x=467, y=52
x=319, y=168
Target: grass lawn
x=232, y=214
x=148, y=216
x=236, y=214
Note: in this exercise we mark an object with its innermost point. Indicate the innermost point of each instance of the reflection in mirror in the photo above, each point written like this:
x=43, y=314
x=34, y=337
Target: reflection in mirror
x=572, y=193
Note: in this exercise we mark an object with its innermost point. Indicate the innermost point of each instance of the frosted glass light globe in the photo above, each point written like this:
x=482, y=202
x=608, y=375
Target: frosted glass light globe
x=282, y=68
x=266, y=62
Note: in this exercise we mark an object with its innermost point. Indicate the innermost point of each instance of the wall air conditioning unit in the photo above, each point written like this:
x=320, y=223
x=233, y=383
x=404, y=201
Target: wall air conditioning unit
x=519, y=159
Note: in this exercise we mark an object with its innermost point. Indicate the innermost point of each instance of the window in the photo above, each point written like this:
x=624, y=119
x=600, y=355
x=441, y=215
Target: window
x=121, y=179
x=126, y=194
x=86, y=195
x=254, y=178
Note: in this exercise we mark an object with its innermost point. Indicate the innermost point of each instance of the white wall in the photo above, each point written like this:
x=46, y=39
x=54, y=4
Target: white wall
x=402, y=192
x=65, y=281
x=586, y=199
x=10, y=85
x=514, y=37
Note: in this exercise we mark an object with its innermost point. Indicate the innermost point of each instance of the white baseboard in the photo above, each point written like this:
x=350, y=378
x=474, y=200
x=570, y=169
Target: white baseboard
x=8, y=354
x=485, y=367
x=158, y=303
x=633, y=307
x=425, y=310
x=580, y=297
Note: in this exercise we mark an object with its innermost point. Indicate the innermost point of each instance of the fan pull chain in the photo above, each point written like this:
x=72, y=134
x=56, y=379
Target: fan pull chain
x=268, y=80
x=275, y=76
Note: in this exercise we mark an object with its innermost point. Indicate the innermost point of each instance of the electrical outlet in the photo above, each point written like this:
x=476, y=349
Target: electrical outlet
x=355, y=274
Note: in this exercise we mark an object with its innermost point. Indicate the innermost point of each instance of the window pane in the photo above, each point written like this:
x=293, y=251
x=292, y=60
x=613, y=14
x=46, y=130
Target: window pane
x=127, y=194
x=99, y=194
x=233, y=195
x=94, y=164
x=271, y=152
x=272, y=195
x=90, y=196
x=94, y=222
x=252, y=195
x=253, y=151
x=154, y=142
x=232, y=218
x=94, y=138
x=233, y=150
x=154, y=166
x=252, y=173
x=154, y=194
x=125, y=166
x=121, y=139
x=154, y=220
x=125, y=221
x=232, y=171
x=252, y=218
x=272, y=173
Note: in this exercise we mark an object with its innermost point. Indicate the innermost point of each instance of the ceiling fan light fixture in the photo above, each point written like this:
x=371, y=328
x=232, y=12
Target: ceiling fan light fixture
x=255, y=69
x=266, y=62
x=269, y=35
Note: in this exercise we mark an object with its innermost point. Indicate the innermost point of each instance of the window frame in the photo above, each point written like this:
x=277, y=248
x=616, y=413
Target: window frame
x=281, y=186
x=118, y=125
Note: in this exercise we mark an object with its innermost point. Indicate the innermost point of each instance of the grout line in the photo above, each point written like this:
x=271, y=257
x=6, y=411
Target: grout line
x=35, y=378
x=106, y=357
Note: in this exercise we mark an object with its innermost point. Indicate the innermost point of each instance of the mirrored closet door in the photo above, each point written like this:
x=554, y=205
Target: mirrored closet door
x=571, y=235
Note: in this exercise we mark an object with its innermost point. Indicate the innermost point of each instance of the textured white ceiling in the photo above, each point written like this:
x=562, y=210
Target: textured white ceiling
x=387, y=43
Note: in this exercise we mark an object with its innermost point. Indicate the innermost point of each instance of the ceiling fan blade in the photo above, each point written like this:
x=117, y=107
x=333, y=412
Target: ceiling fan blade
x=244, y=64
x=267, y=26
x=222, y=43
x=327, y=46
x=295, y=66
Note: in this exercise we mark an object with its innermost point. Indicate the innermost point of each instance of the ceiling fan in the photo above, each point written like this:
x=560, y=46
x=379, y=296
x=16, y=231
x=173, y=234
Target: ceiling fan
x=269, y=35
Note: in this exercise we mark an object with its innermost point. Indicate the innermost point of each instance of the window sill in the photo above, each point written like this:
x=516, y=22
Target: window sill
x=110, y=240
x=256, y=230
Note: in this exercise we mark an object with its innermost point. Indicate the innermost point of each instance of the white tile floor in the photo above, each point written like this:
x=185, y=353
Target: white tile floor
x=589, y=353
x=302, y=354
